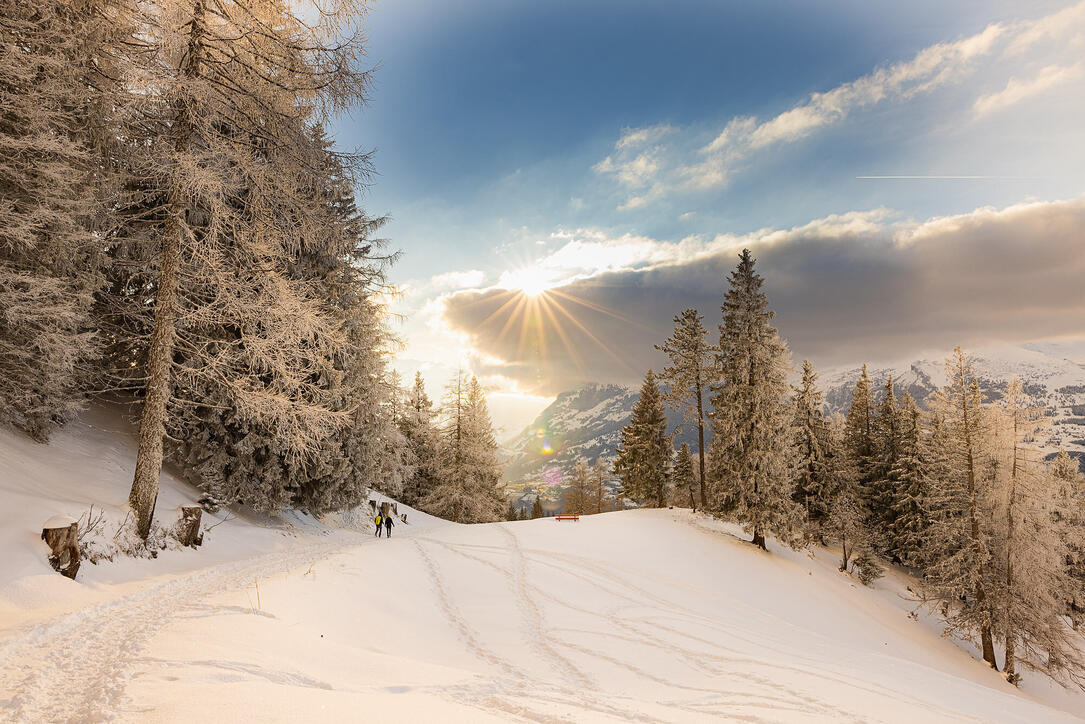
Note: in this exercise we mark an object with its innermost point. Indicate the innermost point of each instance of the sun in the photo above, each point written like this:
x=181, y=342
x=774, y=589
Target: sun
x=529, y=281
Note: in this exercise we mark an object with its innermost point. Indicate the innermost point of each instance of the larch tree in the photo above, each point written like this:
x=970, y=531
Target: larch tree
x=223, y=205
x=751, y=460
x=600, y=473
x=960, y=545
x=813, y=490
x=1070, y=520
x=577, y=497
x=49, y=257
x=644, y=456
x=689, y=376
x=1034, y=581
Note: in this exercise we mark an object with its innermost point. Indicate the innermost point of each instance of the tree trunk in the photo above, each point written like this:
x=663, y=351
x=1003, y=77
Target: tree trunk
x=188, y=527
x=63, y=543
x=844, y=545
x=152, y=425
x=759, y=539
x=986, y=639
x=1009, y=667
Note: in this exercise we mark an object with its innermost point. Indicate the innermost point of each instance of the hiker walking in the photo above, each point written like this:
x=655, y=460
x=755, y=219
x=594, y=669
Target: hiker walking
x=388, y=524
x=378, y=521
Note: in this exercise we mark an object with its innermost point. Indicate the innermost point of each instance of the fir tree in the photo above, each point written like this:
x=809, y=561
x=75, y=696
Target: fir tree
x=812, y=485
x=886, y=454
x=417, y=426
x=536, y=508
x=689, y=376
x=959, y=544
x=600, y=473
x=909, y=494
x=859, y=437
x=685, y=479
x=643, y=458
x=469, y=486
x=751, y=458
x=1069, y=515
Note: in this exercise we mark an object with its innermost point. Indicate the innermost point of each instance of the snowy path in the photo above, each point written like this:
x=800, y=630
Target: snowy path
x=75, y=668
x=639, y=616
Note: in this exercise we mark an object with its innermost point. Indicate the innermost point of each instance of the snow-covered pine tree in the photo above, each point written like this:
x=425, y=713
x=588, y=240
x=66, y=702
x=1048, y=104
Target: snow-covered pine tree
x=644, y=456
x=689, y=377
x=1070, y=518
x=417, y=425
x=223, y=200
x=751, y=456
x=881, y=491
x=1035, y=582
x=469, y=487
x=577, y=497
x=846, y=515
x=907, y=483
x=959, y=547
x=812, y=484
x=859, y=437
x=684, y=478
x=49, y=257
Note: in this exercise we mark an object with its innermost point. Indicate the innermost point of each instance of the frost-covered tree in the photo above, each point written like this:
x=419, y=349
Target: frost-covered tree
x=684, y=477
x=959, y=546
x=578, y=495
x=416, y=422
x=1033, y=582
x=886, y=454
x=751, y=457
x=846, y=519
x=221, y=203
x=813, y=489
x=909, y=516
x=689, y=376
x=859, y=436
x=600, y=473
x=644, y=455
x=49, y=256
x=1070, y=519
x=468, y=488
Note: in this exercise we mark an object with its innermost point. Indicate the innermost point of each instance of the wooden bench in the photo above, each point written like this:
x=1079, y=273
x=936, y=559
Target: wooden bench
x=567, y=516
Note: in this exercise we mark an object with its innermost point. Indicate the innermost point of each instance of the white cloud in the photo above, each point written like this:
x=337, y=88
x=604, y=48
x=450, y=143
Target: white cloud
x=1017, y=90
x=685, y=165
x=457, y=280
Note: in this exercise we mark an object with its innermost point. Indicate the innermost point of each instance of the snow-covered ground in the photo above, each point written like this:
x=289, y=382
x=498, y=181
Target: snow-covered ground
x=647, y=615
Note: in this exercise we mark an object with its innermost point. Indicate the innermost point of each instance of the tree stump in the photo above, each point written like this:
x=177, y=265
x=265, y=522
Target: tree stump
x=403, y=517
x=187, y=530
x=61, y=533
x=395, y=508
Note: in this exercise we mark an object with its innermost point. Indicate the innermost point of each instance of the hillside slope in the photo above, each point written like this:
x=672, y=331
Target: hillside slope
x=647, y=615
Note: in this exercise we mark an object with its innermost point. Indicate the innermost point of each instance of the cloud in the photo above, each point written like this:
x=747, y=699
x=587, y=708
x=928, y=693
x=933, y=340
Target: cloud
x=457, y=280
x=858, y=286
x=684, y=165
x=1017, y=90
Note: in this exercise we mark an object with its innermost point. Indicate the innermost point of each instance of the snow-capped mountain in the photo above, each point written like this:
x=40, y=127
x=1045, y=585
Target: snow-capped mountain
x=581, y=424
x=586, y=423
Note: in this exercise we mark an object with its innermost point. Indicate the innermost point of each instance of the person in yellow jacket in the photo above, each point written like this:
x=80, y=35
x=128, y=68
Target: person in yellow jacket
x=378, y=521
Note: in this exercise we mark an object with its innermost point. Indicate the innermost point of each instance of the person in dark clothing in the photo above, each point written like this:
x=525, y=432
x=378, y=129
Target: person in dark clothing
x=388, y=524
x=377, y=532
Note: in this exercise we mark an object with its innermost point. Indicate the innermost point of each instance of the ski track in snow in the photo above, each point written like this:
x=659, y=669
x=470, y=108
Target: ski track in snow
x=75, y=668
x=761, y=697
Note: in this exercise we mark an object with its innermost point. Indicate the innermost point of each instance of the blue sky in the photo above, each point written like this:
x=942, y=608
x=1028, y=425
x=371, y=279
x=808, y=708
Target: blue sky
x=507, y=131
